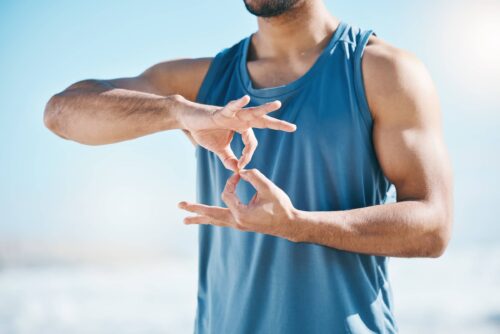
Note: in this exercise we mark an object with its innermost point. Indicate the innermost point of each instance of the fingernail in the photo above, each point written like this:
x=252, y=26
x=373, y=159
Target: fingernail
x=181, y=204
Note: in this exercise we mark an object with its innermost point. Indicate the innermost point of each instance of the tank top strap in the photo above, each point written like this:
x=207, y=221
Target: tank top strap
x=219, y=66
x=361, y=41
x=353, y=42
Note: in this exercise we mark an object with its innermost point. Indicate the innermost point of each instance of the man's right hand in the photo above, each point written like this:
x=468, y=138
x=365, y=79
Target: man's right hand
x=213, y=127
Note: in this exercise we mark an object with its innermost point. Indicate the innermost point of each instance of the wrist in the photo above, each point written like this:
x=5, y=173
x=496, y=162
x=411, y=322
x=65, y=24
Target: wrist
x=297, y=227
x=175, y=108
x=185, y=111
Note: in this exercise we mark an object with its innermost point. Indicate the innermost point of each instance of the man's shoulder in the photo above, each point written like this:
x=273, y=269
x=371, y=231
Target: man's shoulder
x=184, y=76
x=391, y=73
x=178, y=76
x=390, y=63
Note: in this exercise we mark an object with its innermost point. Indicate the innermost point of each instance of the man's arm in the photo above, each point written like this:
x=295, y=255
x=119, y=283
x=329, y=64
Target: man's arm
x=409, y=144
x=98, y=112
x=106, y=111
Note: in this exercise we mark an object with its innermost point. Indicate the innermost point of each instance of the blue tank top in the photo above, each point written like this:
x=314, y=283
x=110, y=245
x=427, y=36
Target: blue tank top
x=255, y=283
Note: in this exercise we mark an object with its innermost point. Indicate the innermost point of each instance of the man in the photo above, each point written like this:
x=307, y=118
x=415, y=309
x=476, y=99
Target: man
x=302, y=245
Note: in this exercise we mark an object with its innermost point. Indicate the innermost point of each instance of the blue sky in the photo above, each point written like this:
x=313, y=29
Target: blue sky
x=52, y=190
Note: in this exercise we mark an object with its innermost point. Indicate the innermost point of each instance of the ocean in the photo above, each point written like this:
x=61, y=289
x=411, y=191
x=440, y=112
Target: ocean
x=457, y=293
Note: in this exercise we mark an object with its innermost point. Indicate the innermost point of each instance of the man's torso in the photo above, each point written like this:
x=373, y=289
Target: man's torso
x=255, y=283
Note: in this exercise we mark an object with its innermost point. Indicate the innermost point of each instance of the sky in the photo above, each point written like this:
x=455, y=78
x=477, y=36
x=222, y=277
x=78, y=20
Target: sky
x=59, y=195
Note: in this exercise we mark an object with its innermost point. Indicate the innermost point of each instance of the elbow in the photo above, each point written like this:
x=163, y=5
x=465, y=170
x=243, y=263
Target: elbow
x=57, y=120
x=55, y=116
x=52, y=116
x=436, y=245
x=438, y=238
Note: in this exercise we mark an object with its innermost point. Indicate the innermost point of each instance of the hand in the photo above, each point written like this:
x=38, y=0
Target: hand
x=270, y=211
x=213, y=127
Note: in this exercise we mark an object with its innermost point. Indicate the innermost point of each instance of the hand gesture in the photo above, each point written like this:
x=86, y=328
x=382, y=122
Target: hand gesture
x=270, y=211
x=213, y=127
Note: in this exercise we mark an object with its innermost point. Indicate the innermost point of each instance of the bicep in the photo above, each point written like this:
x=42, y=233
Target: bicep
x=414, y=159
x=407, y=132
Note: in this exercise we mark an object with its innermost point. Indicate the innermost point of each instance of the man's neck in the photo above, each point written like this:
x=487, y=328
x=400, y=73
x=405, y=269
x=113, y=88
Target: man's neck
x=301, y=30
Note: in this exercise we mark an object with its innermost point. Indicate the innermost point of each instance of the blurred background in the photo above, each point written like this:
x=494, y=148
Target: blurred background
x=91, y=240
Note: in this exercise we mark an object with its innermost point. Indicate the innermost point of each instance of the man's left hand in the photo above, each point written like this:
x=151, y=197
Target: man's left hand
x=270, y=211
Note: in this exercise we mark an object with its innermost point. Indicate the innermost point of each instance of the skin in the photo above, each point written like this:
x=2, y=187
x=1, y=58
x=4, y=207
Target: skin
x=97, y=112
x=408, y=142
x=407, y=136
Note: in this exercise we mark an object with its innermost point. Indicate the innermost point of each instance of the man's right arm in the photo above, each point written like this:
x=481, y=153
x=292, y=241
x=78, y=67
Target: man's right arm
x=96, y=112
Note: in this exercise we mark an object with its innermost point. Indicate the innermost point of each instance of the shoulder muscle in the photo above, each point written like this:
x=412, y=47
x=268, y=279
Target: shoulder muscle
x=398, y=86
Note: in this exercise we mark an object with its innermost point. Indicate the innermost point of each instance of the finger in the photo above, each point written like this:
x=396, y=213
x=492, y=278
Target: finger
x=204, y=220
x=248, y=138
x=229, y=160
x=232, y=182
x=234, y=106
x=229, y=194
x=205, y=210
x=258, y=180
x=268, y=122
x=250, y=113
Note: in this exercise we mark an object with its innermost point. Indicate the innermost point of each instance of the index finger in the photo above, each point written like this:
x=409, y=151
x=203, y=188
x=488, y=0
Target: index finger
x=268, y=122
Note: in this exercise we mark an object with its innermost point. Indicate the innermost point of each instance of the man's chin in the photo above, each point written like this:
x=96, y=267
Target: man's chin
x=269, y=8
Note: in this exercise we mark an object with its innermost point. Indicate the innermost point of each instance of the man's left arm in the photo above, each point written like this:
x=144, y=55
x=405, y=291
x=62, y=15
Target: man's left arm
x=409, y=144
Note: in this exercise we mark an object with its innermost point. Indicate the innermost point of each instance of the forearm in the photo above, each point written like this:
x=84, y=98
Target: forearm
x=403, y=229
x=94, y=112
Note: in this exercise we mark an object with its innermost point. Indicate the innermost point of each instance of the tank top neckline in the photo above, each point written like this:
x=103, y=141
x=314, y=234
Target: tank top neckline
x=293, y=85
